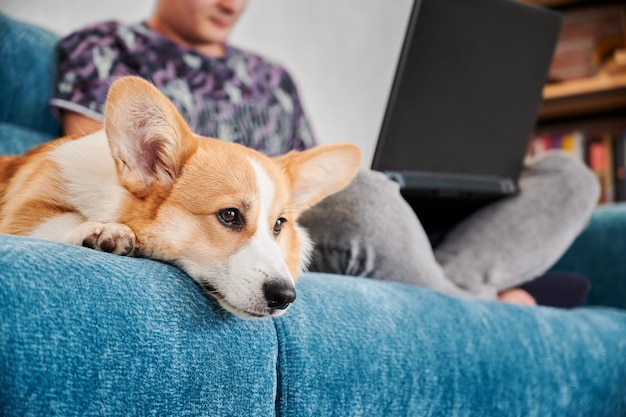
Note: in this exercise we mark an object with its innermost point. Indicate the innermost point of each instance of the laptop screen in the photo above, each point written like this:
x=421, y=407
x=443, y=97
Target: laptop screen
x=467, y=87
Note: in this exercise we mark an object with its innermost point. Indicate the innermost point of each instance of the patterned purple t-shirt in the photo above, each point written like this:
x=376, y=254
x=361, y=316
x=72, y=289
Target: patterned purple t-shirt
x=239, y=97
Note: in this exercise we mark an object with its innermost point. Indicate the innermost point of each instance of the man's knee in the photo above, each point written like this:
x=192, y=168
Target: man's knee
x=567, y=174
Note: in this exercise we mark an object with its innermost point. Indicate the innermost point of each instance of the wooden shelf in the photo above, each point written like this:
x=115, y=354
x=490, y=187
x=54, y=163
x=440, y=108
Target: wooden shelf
x=584, y=97
x=601, y=83
x=555, y=3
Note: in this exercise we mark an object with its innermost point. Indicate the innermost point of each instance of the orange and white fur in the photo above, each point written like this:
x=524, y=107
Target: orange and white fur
x=146, y=186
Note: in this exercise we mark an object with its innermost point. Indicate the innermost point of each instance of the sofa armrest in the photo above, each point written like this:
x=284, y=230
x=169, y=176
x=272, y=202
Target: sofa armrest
x=88, y=333
x=599, y=253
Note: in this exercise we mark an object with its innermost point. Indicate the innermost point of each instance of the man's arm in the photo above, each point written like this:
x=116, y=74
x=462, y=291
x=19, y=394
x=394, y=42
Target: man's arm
x=79, y=125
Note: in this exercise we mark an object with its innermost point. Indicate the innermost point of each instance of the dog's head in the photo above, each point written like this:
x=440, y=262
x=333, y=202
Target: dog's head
x=223, y=213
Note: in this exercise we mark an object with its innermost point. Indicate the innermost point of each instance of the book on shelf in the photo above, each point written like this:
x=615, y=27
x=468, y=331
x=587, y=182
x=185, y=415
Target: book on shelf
x=605, y=155
x=600, y=160
x=620, y=169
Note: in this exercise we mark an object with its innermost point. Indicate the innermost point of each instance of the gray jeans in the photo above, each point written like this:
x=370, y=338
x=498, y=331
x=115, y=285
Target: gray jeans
x=369, y=230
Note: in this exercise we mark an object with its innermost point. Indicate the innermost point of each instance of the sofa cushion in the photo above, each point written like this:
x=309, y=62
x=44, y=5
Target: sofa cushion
x=27, y=54
x=351, y=346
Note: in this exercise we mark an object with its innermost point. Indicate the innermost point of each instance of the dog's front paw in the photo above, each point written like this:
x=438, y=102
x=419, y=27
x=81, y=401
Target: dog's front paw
x=107, y=237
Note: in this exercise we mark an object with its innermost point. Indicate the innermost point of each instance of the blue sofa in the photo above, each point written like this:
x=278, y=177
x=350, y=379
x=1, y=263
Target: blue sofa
x=88, y=333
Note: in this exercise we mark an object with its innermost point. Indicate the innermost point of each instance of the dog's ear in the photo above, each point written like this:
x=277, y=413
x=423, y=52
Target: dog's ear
x=149, y=140
x=319, y=172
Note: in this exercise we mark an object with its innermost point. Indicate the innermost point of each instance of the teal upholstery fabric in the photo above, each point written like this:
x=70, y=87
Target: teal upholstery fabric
x=371, y=348
x=599, y=254
x=27, y=68
x=89, y=333
x=84, y=333
x=17, y=140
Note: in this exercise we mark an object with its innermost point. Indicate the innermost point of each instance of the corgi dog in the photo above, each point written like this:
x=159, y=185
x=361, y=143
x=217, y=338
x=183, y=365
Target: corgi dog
x=146, y=186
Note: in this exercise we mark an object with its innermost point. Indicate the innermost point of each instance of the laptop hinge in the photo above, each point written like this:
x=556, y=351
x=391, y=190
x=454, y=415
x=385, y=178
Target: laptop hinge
x=445, y=183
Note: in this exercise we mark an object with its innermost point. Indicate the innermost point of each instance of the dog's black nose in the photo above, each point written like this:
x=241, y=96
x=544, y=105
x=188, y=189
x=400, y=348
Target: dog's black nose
x=279, y=295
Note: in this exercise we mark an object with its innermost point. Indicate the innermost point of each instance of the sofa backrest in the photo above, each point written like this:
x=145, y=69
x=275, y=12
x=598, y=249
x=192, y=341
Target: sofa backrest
x=27, y=70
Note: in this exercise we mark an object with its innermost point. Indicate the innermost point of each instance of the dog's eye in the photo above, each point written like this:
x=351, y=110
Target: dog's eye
x=278, y=226
x=231, y=217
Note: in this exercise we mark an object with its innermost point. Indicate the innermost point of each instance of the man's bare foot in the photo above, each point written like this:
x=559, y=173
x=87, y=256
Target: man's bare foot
x=517, y=296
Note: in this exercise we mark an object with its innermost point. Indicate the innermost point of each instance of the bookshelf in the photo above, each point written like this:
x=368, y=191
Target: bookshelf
x=584, y=106
x=583, y=97
x=555, y=3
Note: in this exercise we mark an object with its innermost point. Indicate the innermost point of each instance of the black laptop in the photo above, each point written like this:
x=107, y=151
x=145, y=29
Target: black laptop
x=464, y=103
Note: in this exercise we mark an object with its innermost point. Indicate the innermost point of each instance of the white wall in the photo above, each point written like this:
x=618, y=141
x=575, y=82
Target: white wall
x=341, y=52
